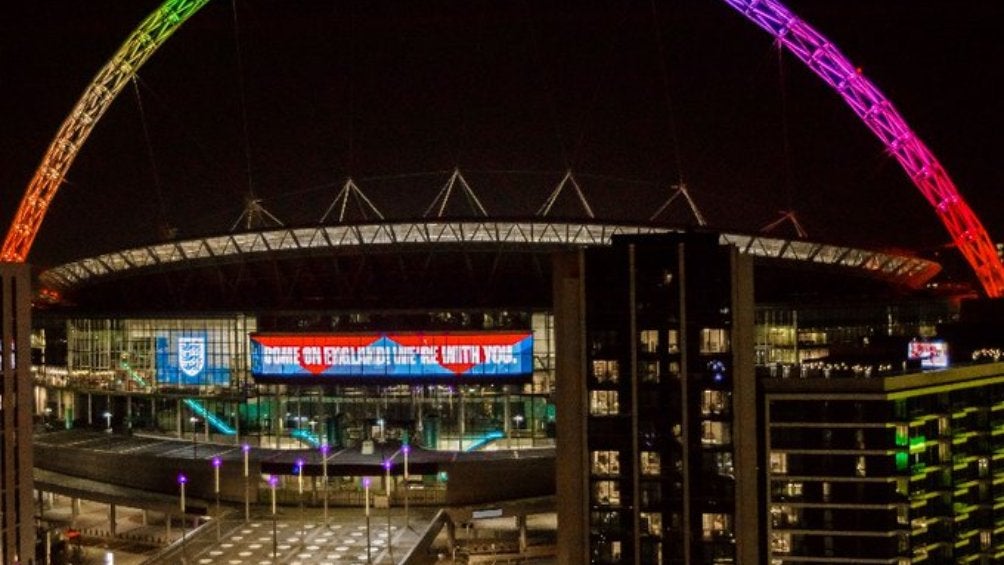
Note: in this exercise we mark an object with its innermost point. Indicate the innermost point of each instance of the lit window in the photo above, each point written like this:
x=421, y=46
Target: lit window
x=651, y=523
x=606, y=371
x=606, y=462
x=724, y=465
x=673, y=341
x=715, y=402
x=714, y=340
x=715, y=433
x=783, y=516
x=716, y=526
x=607, y=493
x=780, y=542
x=651, y=463
x=648, y=341
x=860, y=467
x=779, y=463
x=603, y=403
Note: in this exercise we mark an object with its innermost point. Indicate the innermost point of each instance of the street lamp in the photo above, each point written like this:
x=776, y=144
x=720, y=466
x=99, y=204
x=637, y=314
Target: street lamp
x=406, y=449
x=366, y=488
x=217, y=462
x=325, y=449
x=272, y=482
x=182, y=479
x=195, y=434
x=390, y=546
x=299, y=482
x=108, y=421
x=247, y=485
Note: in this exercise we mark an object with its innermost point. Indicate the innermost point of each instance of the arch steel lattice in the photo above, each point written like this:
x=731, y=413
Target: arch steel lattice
x=98, y=97
x=875, y=110
x=818, y=53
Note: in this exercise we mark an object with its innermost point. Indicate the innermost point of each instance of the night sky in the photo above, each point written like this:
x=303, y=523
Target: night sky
x=397, y=93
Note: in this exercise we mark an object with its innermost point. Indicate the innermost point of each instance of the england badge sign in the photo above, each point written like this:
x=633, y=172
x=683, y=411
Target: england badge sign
x=191, y=355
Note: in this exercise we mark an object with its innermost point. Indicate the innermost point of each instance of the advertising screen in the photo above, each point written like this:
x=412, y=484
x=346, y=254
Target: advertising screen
x=190, y=358
x=401, y=356
x=932, y=354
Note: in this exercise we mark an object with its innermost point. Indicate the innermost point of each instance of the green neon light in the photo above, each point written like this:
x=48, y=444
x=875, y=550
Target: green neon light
x=917, y=444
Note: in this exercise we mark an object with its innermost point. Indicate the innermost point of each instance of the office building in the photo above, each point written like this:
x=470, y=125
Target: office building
x=656, y=405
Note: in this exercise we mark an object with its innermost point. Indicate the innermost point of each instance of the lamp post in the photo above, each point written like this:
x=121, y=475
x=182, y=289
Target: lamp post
x=366, y=488
x=247, y=485
x=390, y=546
x=406, y=449
x=299, y=488
x=217, y=462
x=325, y=449
x=182, y=479
x=108, y=421
x=272, y=482
x=195, y=434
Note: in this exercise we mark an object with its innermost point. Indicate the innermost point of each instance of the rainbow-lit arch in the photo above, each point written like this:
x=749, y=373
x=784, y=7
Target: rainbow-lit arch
x=811, y=47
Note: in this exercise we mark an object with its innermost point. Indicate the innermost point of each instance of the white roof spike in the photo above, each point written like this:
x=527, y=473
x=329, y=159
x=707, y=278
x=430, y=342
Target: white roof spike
x=786, y=216
x=680, y=190
x=443, y=197
x=568, y=179
x=351, y=189
x=255, y=216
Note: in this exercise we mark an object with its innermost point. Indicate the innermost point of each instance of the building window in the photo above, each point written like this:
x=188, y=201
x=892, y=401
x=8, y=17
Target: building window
x=607, y=551
x=649, y=371
x=607, y=493
x=605, y=522
x=783, y=516
x=779, y=463
x=716, y=433
x=780, y=542
x=603, y=403
x=648, y=341
x=715, y=402
x=651, y=463
x=860, y=467
x=606, y=462
x=651, y=523
x=714, y=340
x=716, y=526
x=606, y=370
x=723, y=464
x=673, y=341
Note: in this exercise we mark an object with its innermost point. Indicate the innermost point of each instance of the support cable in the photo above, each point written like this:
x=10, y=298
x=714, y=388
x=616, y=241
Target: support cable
x=243, y=96
x=164, y=229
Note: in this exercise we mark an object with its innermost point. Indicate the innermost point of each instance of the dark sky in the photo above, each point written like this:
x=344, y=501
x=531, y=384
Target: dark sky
x=394, y=93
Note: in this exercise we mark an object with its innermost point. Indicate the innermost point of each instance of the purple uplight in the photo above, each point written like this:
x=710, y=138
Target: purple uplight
x=325, y=449
x=406, y=448
x=182, y=479
x=367, y=482
x=217, y=462
x=386, y=464
x=246, y=448
x=273, y=480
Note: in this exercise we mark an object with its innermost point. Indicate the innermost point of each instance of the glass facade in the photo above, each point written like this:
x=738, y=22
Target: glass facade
x=186, y=375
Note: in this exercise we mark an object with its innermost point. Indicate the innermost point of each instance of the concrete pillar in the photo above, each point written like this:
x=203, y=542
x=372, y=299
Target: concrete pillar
x=167, y=524
x=111, y=519
x=90, y=410
x=74, y=509
x=146, y=518
x=177, y=417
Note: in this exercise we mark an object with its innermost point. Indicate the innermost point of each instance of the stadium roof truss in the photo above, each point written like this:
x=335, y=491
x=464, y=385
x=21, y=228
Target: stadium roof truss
x=891, y=267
